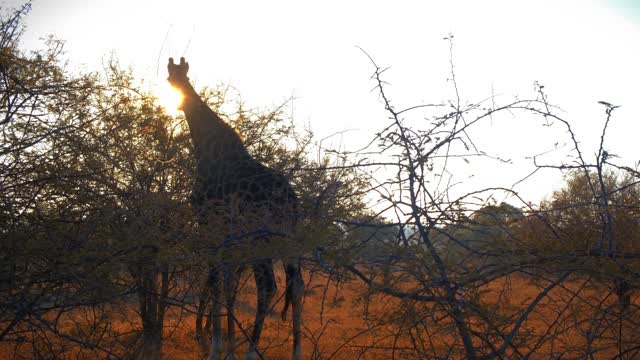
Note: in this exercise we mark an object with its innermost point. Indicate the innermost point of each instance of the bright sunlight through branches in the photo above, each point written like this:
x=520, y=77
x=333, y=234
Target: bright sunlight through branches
x=169, y=98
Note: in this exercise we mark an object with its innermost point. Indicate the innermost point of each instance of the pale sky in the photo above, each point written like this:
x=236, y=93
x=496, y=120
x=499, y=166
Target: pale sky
x=583, y=51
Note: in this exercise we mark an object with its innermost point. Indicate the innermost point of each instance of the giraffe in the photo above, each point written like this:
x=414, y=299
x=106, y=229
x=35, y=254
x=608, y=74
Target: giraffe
x=248, y=206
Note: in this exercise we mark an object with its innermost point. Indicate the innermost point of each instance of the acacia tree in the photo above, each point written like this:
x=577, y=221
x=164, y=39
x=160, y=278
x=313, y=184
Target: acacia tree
x=94, y=184
x=35, y=238
x=593, y=225
x=452, y=271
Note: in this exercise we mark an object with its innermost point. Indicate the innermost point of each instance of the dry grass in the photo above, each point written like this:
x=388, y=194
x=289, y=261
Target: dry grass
x=342, y=322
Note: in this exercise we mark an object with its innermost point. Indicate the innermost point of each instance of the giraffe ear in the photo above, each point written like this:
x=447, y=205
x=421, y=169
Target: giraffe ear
x=170, y=61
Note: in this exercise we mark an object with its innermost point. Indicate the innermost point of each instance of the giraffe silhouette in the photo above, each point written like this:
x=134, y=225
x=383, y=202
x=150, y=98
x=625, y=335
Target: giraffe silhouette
x=248, y=211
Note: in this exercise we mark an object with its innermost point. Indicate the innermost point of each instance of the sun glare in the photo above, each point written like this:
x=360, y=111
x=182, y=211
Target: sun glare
x=169, y=98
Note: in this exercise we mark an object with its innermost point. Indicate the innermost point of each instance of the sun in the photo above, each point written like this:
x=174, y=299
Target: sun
x=169, y=98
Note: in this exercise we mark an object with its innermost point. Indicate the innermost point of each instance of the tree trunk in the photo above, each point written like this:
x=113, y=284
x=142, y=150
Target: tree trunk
x=203, y=334
x=151, y=294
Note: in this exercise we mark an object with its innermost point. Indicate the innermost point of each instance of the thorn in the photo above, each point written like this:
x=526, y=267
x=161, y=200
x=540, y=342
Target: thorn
x=609, y=105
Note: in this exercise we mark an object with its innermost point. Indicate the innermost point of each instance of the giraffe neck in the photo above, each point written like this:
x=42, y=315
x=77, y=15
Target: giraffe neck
x=209, y=132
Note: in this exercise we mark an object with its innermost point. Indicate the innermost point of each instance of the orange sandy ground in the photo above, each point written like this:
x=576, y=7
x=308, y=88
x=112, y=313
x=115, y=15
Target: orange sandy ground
x=334, y=322
x=330, y=318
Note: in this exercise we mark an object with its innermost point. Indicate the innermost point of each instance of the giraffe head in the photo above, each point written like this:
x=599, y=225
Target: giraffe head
x=178, y=74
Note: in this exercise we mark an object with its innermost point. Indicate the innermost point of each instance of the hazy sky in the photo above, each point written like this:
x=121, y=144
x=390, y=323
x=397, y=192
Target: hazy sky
x=583, y=51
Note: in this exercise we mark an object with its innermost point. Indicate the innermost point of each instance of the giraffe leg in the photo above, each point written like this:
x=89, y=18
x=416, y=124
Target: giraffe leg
x=230, y=291
x=215, y=286
x=266, y=285
x=295, y=294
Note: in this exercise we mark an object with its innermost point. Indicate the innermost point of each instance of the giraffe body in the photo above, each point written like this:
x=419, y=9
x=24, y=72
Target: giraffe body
x=248, y=211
